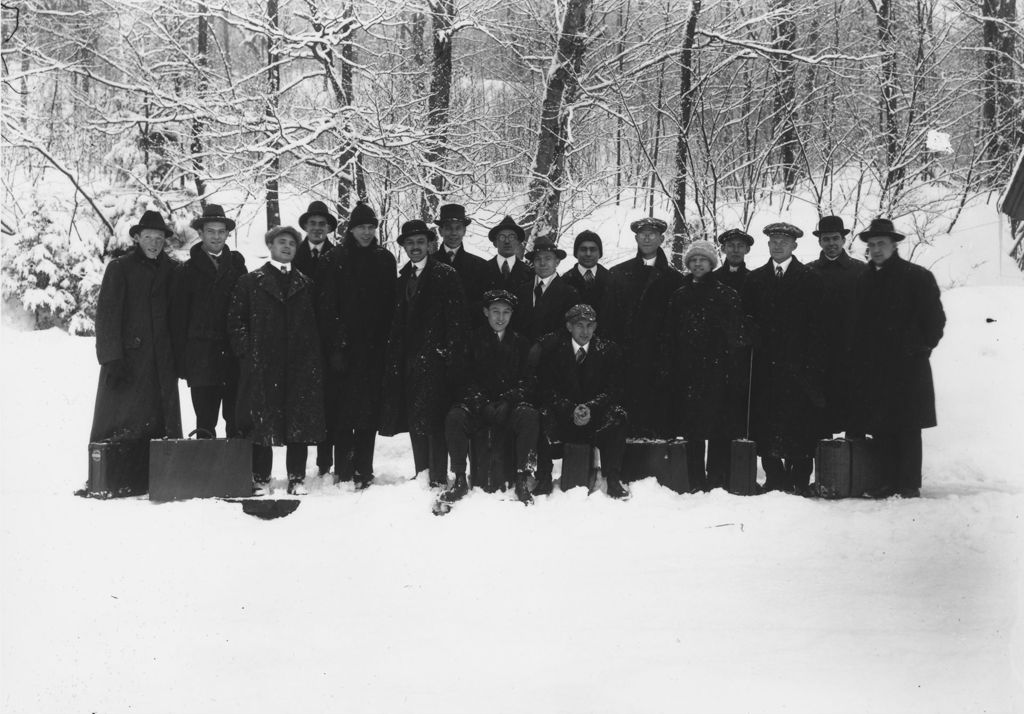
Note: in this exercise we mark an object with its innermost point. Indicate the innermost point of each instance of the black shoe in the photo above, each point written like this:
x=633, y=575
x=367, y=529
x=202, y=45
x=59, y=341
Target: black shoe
x=260, y=487
x=458, y=489
x=544, y=486
x=617, y=489
x=297, y=486
x=910, y=493
x=522, y=491
x=881, y=492
x=362, y=481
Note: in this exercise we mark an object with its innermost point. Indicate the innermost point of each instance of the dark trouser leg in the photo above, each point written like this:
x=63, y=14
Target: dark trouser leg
x=230, y=394
x=262, y=462
x=438, y=449
x=344, y=448
x=420, y=451
x=799, y=469
x=324, y=456
x=908, y=472
x=695, y=463
x=776, y=478
x=719, y=454
x=525, y=425
x=456, y=432
x=295, y=459
x=887, y=446
x=612, y=443
x=362, y=457
x=206, y=403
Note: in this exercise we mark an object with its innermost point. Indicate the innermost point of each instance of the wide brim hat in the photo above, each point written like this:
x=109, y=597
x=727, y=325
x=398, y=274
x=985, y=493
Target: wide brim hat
x=453, y=212
x=153, y=220
x=318, y=208
x=492, y=296
x=881, y=227
x=831, y=224
x=548, y=246
x=507, y=223
x=416, y=227
x=734, y=233
x=648, y=223
x=782, y=228
x=213, y=213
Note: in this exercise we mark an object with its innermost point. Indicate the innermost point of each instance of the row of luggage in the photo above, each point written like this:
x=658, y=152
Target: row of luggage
x=176, y=469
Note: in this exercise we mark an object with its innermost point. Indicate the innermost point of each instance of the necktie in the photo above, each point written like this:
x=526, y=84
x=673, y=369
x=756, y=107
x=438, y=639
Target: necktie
x=581, y=354
x=215, y=259
x=316, y=253
x=504, y=269
x=778, y=272
x=410, y=288
x=588, y=277
x=284, y=269
x=538, y=292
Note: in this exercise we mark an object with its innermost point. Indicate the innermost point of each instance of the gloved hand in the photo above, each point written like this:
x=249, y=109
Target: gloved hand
x=118, y=373
x=496, y=413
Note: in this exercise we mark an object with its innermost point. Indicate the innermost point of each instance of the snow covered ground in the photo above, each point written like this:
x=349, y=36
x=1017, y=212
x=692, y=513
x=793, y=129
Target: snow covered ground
x=368, y=603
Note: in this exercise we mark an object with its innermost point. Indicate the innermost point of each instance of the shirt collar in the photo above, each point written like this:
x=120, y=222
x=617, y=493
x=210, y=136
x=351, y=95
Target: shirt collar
x=576, y=347
x=511, y=260
x=650, y=261
x=546, y=281
x=451, y=251
x=500, y=335
x=784, y=265
x=281, y=266
x=418, y=267
x=583, y=271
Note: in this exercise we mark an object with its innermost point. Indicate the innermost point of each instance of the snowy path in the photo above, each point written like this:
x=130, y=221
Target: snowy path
x=368, y=603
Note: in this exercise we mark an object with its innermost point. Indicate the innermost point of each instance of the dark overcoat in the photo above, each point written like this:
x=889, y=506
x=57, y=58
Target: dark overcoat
x=898, y=321
x=593, y=293
x=357, y=289
x=497, y=371
x=702, y=334
x=426, y=353
x=275, y=337
x=548, y=315
x=597, y=383
x=733, y=278
x=787, y=397
x=520, y=274
x=199, y=317
x=471, y=270
x=839, y=280
x=133, y=324
x=637, y=301
x=304, y=261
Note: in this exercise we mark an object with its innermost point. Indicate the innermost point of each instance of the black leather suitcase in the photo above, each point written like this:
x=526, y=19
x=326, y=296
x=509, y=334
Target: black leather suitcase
x=199, y=468
x=577, y=464
x=832, y=468
x=492, y=460
x=865, y=473
x=117, y=468
x=742, y=468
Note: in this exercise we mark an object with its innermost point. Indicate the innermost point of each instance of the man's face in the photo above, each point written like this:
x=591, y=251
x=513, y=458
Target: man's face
x=416, y=247
x=364, y=233
x=832, y=244
x=214, y=234
x=545, y=263
x=507, y=242
x=317, y=229
x=282, y=248
x=582, y=330
x=735, y=250
x=452, y=233
x=781, y=247
x=880, y=249
x=699, y=266
x=587, y=254
x=648, y=241
x=151, y=241
x=498, y=314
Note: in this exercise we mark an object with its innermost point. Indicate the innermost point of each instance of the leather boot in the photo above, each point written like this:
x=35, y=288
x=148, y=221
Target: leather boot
x=458, y=489
x=522, y=490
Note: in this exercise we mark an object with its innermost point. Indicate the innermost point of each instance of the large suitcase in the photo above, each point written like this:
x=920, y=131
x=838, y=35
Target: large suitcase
x=199, y=468
x=865, y=471
x=577, y=464
x=117, y=468
x=742, y=468
x=832, y=468
x=492, y=459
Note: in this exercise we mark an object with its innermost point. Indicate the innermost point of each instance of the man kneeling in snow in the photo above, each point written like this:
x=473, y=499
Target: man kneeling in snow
x=497, y=395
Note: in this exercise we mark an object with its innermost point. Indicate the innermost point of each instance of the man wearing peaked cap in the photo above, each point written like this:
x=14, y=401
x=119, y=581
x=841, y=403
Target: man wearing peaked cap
x=588, y=276
x=451, y=223
x=506, y=270
x=735, y=245
x=543, y=302
x=783, y=229
x=649, y=223
x=899, y=320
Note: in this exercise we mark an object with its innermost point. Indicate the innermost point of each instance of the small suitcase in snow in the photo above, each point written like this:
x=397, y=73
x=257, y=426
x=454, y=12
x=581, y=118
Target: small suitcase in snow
x=577, y=463
x=199, y=468
x=117, y=468
x=865, y=472
x=642, y=458
x=492, y=460
x=742, y=468
x=832, y=468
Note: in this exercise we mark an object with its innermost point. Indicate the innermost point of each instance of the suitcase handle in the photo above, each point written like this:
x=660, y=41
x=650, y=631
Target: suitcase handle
x=206, y=432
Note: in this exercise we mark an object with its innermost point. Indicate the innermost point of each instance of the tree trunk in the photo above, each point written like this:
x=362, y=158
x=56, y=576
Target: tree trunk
x=998, y=108
x=196, y=148
x=888, y=110
x=679, y=231
x=785, y=92
x=273, y=92
x=438, y=105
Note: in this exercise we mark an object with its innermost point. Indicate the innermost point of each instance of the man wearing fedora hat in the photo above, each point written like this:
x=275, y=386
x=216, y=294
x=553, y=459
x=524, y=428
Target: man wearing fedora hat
x=588, y=276
x=782, y=299
x=735, y=245
x=839, y=273
x=137, y=394
x=426, y=353
x=451, y=224
x=543, y=303
x=200, y=300
x=898, y=321
x=506, y=271
x=317, y=223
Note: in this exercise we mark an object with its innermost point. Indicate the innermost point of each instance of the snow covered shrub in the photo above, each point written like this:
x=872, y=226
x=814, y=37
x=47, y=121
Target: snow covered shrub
x=53, y=268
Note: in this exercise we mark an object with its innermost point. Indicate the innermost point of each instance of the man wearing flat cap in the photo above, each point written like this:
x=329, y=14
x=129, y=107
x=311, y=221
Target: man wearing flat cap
x=425, y=359
x=783, y=302
x=588, y=276
x=898, y=321
x=839, y=273
x=506, y=271
x=542, y=303
x=638, y=296
x=735, y=246
x=498, y=394
x=451, y=224
x=137, y=394
x=200, y=300
x=581, y=393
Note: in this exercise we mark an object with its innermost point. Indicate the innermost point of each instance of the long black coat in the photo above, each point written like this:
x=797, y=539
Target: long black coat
x=357, y=288
x=732, y=278
x=592, y=294
x=274, y=335
x=898, y=321
x=635, y=308
x=471, y=270
x=426, y=352
x=133, y=324
x=703, y=332
x=565, y=384
x=497, y=371
x=839, y=279
x=518, y=276
x=199, y=326
x=304, y=261
x=548, y=315
x=787, y=392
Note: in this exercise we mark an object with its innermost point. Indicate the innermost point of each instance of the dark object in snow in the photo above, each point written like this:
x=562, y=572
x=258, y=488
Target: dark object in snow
x=865, y=474
x=441, y=507
x=833, y=468
x=117, y=469
x=492, y=459
x=742, y=468
x=199, y=468
x=267, y=508
x=990, y=319
x=577, y=463
x=663, y=459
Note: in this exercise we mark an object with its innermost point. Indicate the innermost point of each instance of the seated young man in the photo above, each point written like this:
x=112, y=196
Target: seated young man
x=497, y=394
x=581, y=381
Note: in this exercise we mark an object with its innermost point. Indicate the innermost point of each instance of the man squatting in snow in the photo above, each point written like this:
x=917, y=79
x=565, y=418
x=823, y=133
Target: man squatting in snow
x=834, y=346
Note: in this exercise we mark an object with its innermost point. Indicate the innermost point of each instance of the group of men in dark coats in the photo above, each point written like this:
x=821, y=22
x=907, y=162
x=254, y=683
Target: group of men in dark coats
x=328, y=344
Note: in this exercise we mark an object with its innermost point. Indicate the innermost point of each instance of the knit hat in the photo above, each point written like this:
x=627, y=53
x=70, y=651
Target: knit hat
x=701, y=248
x=588, y=237
x=362, y=215
x=318, y=208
